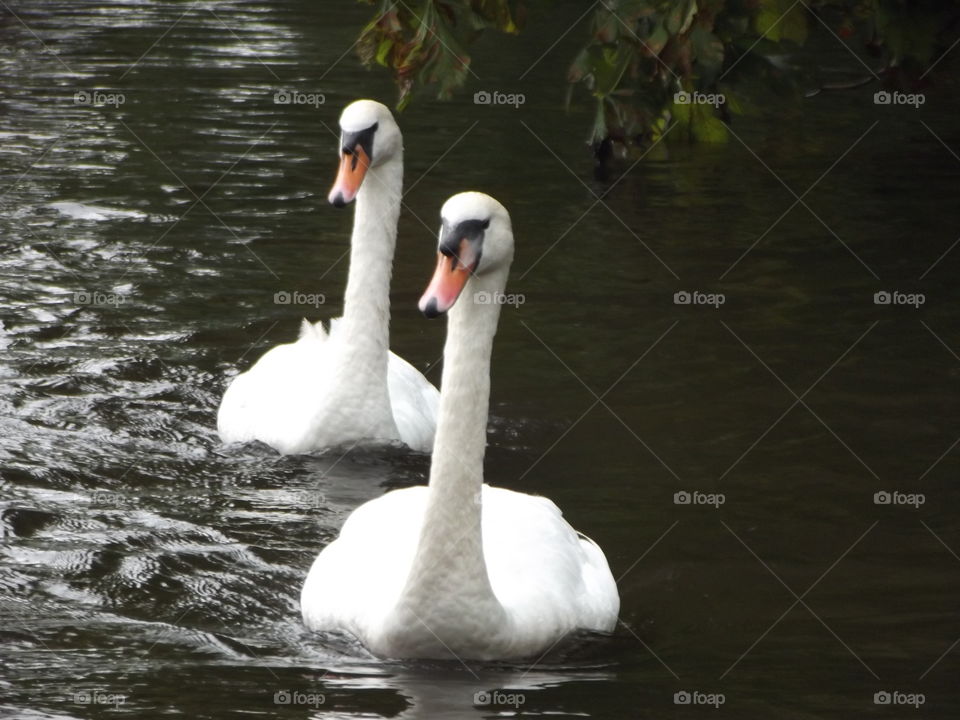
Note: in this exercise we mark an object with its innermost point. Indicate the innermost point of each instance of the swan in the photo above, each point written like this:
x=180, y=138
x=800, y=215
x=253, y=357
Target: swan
x=458, y=567
x=331, y=388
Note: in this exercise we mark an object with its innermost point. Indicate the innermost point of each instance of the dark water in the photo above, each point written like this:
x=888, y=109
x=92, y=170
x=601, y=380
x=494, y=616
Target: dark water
x=146, y=569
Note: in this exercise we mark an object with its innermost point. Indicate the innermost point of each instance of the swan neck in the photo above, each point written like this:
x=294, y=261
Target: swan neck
x=464, y=401
x=366, y=306
x=450, y=550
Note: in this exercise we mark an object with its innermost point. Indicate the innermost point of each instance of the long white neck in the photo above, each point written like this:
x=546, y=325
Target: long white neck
x=366, y=305
x=449, y=556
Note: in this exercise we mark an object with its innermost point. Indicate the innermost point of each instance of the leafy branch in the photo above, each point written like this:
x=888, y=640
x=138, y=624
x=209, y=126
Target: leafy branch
x=649, y=63
x=427, y=44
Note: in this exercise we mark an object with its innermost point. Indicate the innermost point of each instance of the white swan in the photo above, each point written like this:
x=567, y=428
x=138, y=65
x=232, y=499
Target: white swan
x=344, y=386
x=459, y=568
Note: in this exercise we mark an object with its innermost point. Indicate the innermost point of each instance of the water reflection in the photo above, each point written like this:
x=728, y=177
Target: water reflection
x=449, y=691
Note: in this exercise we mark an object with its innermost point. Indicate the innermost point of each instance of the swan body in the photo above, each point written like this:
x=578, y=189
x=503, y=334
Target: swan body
x=459, y=568
x=343, y=386
x=549, y=581
x=276, y=400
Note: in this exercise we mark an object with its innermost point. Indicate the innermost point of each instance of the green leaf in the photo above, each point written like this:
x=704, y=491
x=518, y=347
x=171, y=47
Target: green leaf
x=767, y=22
x=705, y=126
x=608, y=68
x=782, y=20
x=383, y=50
x=795, y=25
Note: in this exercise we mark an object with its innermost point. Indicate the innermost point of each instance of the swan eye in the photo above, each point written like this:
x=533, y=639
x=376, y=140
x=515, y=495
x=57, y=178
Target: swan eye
x=463, y=240
x=363, y=139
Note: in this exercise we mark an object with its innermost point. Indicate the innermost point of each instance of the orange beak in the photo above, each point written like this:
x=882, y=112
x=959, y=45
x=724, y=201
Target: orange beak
x=447, y=283
x=353, y=168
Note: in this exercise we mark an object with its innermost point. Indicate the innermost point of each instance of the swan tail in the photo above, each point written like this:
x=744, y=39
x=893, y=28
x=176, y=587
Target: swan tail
x=312, y=330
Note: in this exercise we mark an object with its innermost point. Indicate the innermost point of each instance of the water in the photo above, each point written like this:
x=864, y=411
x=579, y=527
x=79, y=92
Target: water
x=144, y=568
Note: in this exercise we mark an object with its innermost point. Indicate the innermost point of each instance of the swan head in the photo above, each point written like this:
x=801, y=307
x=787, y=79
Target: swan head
x=369, y=136
x=475, y=239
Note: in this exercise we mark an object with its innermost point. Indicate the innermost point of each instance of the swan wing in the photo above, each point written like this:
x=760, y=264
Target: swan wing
x=414, y=402
x=549, y=578
x=356, y=580
x=275, y=400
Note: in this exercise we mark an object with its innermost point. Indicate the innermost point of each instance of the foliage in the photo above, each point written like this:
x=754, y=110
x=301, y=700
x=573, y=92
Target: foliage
x=645, y=60
x=426, y=44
